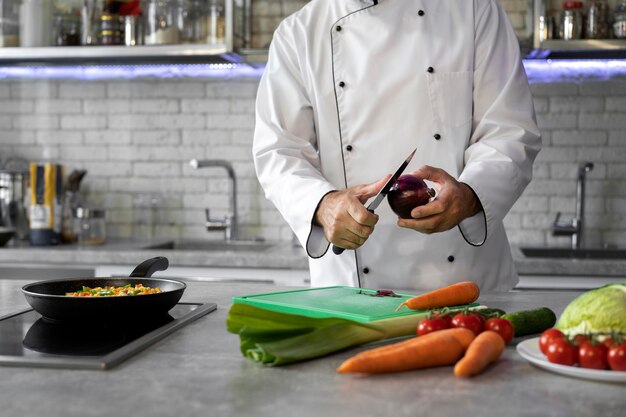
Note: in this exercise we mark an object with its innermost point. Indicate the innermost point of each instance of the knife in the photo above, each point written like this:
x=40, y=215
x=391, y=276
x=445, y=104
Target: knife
x=383, y=192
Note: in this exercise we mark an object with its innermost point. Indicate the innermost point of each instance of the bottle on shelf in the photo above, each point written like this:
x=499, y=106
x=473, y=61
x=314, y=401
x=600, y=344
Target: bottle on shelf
x=571, y=20
x=216, y=28
x=36, y=18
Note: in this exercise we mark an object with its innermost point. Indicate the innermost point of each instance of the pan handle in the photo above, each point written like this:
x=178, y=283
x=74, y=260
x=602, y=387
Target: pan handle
x=149, y=267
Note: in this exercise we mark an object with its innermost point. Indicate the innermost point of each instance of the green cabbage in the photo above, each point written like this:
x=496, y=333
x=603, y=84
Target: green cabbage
x=601, y=311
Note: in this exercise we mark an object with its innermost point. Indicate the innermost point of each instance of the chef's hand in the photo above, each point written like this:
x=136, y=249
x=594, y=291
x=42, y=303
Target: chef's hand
x=455, y=201
x=344, y=218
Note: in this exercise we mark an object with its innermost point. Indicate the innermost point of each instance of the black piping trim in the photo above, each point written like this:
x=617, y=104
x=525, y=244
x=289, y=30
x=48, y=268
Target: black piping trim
x=485, y=220
x=307, y=250
x=476, y=245
x=343, y=159
x=332, y=52
x=306, y=246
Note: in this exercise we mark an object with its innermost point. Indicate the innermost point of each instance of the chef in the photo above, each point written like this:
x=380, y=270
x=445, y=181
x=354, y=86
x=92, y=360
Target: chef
x=351, y=87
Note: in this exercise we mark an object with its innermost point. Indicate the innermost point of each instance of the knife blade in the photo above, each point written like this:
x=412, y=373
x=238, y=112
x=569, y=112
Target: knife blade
x=383, y=192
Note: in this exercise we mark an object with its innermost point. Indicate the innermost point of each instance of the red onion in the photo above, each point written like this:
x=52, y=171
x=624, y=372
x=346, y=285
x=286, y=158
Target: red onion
x=407, y=193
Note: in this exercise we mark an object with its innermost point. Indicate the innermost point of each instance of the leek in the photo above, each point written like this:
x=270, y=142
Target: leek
x=272, y=338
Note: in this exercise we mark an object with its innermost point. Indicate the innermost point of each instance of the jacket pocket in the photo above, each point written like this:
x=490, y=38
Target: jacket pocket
x=450, y=95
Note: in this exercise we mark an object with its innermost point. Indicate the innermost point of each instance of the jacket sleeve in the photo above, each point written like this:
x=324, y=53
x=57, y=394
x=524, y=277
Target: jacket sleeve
x=285, y=151
x=505, y=139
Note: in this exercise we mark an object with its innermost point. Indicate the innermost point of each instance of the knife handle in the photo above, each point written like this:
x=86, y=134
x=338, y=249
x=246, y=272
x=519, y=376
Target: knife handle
x=336, y=249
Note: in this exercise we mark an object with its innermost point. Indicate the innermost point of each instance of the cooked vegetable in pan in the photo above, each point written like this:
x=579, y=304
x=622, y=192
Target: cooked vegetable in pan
x=126, y=290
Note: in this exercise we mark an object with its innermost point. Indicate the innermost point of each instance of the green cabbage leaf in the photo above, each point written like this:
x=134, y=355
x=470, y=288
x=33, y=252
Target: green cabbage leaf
x=601, y=311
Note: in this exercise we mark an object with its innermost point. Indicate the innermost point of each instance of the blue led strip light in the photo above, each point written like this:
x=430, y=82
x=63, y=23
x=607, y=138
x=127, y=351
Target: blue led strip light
x=103, y=72
x=537, y=70
x=548, y=70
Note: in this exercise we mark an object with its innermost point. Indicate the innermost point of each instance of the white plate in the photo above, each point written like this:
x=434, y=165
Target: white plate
x=529, y=350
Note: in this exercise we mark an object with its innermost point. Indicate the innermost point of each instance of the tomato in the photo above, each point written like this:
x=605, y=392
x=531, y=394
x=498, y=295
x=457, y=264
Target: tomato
x=469, y=321
x=448, y=320
x=546, y=337
x=501, y=326
x=593, y=356
x=617, y=357
x=431, y=325
x=609, y=342
x=580, y=339
x=562, y=352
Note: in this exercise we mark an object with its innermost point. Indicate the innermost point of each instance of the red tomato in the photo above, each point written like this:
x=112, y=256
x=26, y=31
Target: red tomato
x=609, y=342
x=546, y=337
x=469, y=321
x=562, y=352
x=580, y=339
x=501, y=326
x=617, y=357
x=431, y=325
x=593, y=356
x=448, y=320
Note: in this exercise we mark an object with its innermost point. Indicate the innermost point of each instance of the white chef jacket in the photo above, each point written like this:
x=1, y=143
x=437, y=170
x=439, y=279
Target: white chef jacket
x=352, y=86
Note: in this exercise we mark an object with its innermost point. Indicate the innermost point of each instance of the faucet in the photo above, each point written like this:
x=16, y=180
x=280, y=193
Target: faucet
x=575, y=227
x=229, y=223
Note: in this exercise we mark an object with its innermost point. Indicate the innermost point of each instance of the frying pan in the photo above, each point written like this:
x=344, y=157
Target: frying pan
x=48, y=297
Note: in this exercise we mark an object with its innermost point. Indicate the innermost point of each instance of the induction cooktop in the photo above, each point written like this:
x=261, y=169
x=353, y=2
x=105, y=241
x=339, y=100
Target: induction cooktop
x=28, y=339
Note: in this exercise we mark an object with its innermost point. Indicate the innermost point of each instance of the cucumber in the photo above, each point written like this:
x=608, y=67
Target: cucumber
x=531, y=321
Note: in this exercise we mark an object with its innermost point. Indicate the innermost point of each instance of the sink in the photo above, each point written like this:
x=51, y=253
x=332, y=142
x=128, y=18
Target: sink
x=581, y=253
x=214, y=245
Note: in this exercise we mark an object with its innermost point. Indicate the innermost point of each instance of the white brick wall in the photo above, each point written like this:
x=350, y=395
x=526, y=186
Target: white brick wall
x=137, y=137
x=581, y=119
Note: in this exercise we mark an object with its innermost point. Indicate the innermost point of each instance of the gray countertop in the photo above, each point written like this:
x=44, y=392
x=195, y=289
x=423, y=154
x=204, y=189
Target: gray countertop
x=283, y=255
x=131, y=252
x=198, y=370
x=564, y=266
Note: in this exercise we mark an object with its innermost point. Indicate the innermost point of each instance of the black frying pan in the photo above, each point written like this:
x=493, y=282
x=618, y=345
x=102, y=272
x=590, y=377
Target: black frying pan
x=48, y=297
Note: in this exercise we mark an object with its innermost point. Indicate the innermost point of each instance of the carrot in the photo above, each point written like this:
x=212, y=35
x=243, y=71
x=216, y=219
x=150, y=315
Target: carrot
x=439, y=348
x=484, y=349
x=452, y=295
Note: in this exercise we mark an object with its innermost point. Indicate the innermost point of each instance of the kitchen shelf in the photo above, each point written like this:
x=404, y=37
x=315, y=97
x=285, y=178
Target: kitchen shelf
x=87, y=55
x=580, y=49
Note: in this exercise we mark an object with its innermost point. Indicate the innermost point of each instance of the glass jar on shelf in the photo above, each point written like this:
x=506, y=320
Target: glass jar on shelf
x=160, y=22
x=597, y=20
x=66, y=30
x=109, y=30
x=571, y=20
x=9, y=23
x=90, y=226
x=196, y=22
x=619, y=20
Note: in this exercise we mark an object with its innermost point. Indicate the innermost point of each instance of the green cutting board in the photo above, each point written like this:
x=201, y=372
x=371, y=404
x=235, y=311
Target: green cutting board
x=357, y=304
